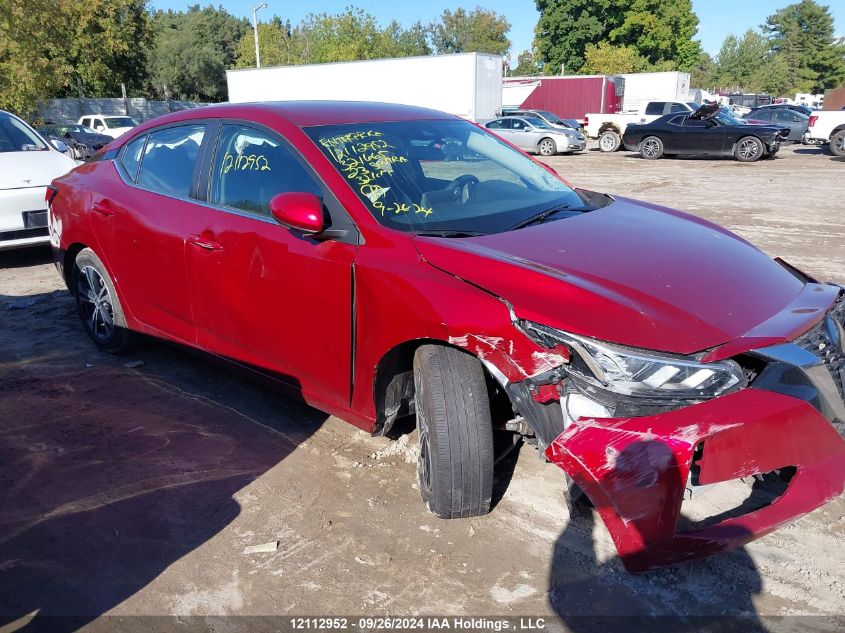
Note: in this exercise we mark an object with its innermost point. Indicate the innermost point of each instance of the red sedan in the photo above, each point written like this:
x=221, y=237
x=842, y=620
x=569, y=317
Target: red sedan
x=383, y=260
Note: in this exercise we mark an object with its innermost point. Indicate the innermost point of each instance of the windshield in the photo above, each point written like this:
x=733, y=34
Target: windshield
x=551, y=116
x=538, y=122
x=120, y=121
x=17, y=136
x=438, y=175
x=723, y=118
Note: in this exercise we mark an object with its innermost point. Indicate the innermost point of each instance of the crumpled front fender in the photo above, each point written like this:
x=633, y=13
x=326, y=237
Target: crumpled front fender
x=635, y=470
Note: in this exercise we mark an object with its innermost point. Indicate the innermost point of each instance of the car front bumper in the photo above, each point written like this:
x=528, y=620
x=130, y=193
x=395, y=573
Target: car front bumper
x=23, y=217
x=573, y=144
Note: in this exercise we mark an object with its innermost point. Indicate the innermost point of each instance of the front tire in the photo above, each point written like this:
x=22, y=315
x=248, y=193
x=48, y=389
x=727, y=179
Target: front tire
x=547, y=147
x=97, y=304
x=609, y=141
x=837, y=143
x=651, y=148
x=455, y=467
x=749, y=149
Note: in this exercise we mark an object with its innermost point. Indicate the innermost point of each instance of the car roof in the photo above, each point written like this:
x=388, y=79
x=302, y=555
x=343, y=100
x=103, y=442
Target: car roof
x=308, y=113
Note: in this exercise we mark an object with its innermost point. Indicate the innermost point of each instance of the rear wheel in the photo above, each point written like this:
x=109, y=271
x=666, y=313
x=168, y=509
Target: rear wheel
x=547, y=147
x=837, y=143
x=609, y=141
x=651, y=148
x=749, y=149
x=455, y=468
x=97, y=304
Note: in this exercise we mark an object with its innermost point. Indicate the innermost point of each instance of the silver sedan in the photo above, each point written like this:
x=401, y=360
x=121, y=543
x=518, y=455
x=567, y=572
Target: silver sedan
x=535, y=135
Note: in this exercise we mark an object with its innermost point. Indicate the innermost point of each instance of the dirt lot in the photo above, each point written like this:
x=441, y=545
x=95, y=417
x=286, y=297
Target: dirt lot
x=133, y=490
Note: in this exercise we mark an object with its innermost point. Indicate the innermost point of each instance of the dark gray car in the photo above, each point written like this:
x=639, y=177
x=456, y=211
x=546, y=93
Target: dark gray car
x=797, y=122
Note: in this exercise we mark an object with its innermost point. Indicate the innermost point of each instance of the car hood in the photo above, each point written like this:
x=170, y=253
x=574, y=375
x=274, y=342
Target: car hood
x=632, y=273
x=32, y=169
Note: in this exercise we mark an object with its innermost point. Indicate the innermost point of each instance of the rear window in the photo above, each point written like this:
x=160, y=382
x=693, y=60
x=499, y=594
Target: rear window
x=120, y=121
x=169, y=159
x=655, y=107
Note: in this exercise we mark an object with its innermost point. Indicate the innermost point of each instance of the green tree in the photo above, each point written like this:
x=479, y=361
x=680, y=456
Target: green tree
x=661, y=31
x=193, y=49
x=476, y=31
x=607, y=59
x=567, y=27
x=526, y=65
x=803, y=34
x=740, y=61
x=705, y=74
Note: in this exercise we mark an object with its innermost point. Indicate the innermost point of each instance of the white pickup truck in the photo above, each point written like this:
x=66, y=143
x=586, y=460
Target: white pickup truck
x=608, y=128
x=828, y=126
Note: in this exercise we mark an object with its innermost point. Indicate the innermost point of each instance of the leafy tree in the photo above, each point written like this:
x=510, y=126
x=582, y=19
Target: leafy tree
x=607, y=59
x=567, y=27
x=54, y=49
x=803, y=34
x=705, y=74
x=526, y=65
x=193, y=49
x=661, y=31
x=476, y=31
x=740, y=60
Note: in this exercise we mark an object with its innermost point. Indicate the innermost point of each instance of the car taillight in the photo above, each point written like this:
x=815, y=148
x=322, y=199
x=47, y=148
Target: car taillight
x=49, y=194
x=812, y=121
x=586, y=121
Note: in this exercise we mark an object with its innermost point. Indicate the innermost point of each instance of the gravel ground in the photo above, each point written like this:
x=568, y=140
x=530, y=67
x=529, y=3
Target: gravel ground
x=134, y=490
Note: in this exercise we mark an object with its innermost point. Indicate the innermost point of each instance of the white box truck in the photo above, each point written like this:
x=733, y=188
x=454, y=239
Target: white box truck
x=641, y=88
x=468, y=85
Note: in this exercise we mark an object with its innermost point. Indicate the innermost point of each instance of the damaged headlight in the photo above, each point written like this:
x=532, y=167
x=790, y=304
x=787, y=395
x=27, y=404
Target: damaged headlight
x=640, y=373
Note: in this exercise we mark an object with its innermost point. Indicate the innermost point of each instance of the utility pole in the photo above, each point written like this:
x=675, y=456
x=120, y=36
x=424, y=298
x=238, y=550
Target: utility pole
x=255, y=10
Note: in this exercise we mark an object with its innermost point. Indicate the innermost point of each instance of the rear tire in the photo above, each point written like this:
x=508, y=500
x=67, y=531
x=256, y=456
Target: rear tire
x=547, y=147
x=455, y=467
x=609, y=141
x=97, y=304
x=651, y=148
x=749, y=149
x=837, y=143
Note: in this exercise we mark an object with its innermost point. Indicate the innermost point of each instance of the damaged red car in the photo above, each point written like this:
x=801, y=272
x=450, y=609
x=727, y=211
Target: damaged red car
x=384, y=261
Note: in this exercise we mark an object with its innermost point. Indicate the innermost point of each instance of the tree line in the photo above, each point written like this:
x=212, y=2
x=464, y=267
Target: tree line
x=67, y=48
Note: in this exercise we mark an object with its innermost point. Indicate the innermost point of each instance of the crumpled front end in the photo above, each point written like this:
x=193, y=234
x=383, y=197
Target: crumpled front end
x=635, y=470
x=788, y=422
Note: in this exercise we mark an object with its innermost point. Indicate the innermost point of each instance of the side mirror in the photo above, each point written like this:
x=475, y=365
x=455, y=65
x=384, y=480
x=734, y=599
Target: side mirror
x=298, y=210
x=59, y=145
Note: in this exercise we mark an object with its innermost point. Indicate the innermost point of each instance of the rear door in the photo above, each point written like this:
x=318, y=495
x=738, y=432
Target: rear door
x=264, y=294
x=142, y=222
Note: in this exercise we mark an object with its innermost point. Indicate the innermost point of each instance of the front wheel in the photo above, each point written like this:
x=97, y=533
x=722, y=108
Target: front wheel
x=837, y=143
x=651, y=148
x=749, y=149
x=609, y=141
x=97, y=304
x=547, y=147
x=455, y=467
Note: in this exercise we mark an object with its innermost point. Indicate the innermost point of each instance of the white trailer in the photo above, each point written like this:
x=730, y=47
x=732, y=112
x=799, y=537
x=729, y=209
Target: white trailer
x=468, y=85
x=641, y=88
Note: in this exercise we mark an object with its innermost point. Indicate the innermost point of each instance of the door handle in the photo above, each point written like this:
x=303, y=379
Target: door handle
x=103, y=207
x=204, y=242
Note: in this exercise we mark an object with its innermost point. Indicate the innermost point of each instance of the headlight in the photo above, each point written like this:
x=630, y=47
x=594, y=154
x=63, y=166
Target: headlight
x=640, y=373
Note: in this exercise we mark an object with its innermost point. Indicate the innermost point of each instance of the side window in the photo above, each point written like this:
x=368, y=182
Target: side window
x=678, y=120
x=517, y=124
x=130, y=156
x=694, y=123
x=251, y=166
x=98, y=124
x=86, y=122
x=169, y=159
x=655, y=107
x=494, y=125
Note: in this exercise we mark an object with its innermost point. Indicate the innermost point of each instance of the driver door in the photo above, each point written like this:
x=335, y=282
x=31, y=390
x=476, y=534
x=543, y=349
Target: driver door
x=263, y=294
x=702, y=137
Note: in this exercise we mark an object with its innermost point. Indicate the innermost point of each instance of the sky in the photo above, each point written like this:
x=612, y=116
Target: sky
x=717, y=18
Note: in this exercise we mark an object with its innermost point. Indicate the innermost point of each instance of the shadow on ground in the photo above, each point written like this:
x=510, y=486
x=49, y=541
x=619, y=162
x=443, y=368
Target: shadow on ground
x=108, y=474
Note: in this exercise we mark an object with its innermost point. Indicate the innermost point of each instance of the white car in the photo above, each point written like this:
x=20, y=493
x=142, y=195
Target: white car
x=109, y=124
x=27, y=165
x=533, y=134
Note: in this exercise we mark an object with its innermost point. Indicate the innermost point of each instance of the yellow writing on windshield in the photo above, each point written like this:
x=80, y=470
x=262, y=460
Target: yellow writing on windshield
x=367, y=160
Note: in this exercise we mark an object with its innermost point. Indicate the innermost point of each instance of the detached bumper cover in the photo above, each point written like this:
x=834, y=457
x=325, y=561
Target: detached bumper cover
x=635, y=470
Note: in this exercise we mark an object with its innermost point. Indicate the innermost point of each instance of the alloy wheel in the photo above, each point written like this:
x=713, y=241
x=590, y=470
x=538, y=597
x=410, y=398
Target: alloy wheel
x=651, y=148
x=95, y=303
x=547, y=147
x=839, y=144
x=607, y=142
x=749, y=148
